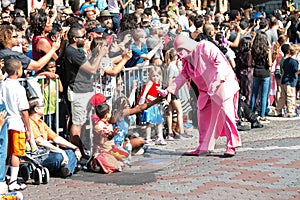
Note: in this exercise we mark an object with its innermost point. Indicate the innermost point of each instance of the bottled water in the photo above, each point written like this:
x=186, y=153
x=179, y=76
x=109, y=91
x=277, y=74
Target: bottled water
x=128, y=148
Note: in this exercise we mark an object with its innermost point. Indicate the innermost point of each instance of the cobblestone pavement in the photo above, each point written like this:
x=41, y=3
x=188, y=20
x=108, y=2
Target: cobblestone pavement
x=267, y=166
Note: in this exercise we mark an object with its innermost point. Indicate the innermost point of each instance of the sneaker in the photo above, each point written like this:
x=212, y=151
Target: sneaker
x=140, y=152
x=160, y=141
x=292, y=115
x=169, y=137
x=149, y=142
x=256, y=124
x=263, y=120
x=241, y=127
x=274, y=113
x=15, y=186
x=3, y=187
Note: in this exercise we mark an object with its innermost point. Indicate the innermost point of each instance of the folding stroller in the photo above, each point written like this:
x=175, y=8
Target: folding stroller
x=31, y=167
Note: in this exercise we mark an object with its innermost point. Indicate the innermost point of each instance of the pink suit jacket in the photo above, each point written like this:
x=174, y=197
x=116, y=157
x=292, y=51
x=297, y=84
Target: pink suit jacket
x=211, y=72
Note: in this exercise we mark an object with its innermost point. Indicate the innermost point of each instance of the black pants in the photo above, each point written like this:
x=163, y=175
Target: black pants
x=245, y=112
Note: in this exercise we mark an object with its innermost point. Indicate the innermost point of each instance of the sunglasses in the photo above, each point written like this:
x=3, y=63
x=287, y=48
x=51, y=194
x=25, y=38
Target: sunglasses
x=14, y=36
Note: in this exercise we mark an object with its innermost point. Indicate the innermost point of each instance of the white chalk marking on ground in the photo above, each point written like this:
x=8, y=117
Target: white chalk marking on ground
x=297, y=147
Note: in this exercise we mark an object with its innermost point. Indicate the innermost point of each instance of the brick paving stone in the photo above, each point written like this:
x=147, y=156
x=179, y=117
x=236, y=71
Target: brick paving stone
x=265, y=167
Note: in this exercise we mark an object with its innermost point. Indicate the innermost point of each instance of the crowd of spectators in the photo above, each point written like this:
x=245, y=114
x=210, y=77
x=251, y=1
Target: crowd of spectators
x=87, y=48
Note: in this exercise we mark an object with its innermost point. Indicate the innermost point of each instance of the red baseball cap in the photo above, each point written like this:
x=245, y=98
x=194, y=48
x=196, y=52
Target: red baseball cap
x=97, y=99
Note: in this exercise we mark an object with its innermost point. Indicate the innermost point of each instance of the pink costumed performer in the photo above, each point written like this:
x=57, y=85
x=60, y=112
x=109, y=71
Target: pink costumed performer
x=218, y=88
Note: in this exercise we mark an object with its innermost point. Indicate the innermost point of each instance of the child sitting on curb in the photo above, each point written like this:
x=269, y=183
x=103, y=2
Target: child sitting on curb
x=106, y=156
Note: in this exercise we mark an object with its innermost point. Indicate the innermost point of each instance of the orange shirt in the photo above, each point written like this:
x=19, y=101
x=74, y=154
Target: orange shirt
x=41, y=129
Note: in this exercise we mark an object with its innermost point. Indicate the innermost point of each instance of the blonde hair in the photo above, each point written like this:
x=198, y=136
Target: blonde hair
x=282, y=39
x=138, y=33
x=169, y=57
x=157, y=70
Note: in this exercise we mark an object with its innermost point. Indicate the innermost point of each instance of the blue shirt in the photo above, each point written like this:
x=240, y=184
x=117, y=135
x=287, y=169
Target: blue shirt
x=290, y=67
x=136, y=53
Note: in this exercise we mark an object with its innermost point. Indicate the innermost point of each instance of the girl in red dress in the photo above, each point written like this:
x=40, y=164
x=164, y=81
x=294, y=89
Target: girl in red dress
x=152, y=116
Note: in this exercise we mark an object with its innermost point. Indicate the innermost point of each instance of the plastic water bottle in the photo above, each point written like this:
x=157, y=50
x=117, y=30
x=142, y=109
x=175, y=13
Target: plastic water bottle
x=128, y=148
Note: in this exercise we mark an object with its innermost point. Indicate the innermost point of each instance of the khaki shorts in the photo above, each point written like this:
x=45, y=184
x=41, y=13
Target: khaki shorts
x=16, y=143
x=79, y=107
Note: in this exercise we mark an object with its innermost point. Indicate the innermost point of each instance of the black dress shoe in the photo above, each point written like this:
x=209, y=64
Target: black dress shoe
x=256, y=124
x=63, y=173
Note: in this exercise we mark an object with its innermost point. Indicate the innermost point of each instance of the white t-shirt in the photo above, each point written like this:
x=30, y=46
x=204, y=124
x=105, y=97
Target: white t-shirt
x=14, y=96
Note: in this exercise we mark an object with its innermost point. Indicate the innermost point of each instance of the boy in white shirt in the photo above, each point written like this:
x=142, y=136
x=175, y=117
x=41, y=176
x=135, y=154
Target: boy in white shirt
x=14, y=96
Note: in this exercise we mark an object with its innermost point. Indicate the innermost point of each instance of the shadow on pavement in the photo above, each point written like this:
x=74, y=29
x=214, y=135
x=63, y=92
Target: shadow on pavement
x=119, y=178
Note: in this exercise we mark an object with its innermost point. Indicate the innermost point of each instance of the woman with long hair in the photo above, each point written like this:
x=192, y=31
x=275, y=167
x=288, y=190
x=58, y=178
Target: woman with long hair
x=41, y=25
x=243, y=71
x=261, y=61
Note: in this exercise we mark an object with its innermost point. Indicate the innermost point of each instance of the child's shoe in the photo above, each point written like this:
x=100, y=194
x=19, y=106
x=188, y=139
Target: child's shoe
x=169, y=137
x=160, y=141
x=15, y=186
x=140, y=152
x=263, y=120
x=149, y=142
x=3, y=187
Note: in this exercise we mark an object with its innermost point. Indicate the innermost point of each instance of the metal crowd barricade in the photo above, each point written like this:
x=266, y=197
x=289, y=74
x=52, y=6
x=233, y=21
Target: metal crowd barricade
x=41, y=81
x=139, y=73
